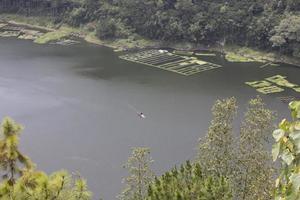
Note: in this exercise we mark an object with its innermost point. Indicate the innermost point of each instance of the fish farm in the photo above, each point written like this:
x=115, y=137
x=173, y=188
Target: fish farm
x=270, y=89
x=165, y=60
x=266, y=86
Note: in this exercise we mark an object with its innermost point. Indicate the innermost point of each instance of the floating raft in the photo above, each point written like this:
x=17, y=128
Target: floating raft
x=266, y=86
x=270, y=89
x=259, y=84
x=170, y=62
x=281, y=80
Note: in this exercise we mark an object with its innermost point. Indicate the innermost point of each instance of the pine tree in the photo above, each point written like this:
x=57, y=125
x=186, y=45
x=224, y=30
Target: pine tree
x=35, y=185
x=11, y=159
x=254, y=172
x=216, y=151
x=189, y=183
x=22, y=181
x=140, y=175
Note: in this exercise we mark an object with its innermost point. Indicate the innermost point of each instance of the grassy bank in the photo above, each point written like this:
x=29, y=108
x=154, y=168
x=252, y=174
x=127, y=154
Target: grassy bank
x=244, y=54
x=56, y=35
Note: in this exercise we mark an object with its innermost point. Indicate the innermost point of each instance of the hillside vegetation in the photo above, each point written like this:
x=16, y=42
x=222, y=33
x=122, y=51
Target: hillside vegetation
x=265, y=24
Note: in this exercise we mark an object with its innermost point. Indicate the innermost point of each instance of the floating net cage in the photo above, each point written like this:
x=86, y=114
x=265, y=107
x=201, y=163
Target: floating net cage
x=259, y=84
x=267, y=86
x=179, y=64
x=270, y=89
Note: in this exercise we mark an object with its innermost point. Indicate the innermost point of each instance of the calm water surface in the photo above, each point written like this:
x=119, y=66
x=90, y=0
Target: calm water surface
x=78, y=105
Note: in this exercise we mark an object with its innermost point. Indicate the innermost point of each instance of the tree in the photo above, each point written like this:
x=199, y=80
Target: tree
x=287, y=34
x=287, y=149
x=106, y=29
x=253, y=176
x=11, y=159
x=27, y=183
x=140, y=175
x=216, y=150
x=189, y=183
x=35, y=185
x=293, y=5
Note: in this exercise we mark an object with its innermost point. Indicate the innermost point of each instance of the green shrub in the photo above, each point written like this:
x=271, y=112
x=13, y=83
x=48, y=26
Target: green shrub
x=189, y=183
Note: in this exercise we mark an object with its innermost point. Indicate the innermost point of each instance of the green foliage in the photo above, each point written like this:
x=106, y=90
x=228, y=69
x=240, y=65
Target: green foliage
x=34, y=185
x=253, y=177
x=262, y=24
x=27, y=183
x=189, y=182
x=287, y=149
x=10, y=156
x=287, y=34
x=245, y=162
x=140, y=175
x=77, y=16
x=216, y=151
x=54, y=36
x=106, y=29
x=295, y=109
x=112, y=28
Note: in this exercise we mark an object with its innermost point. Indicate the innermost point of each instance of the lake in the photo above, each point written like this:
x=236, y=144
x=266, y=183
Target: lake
x=79, y=107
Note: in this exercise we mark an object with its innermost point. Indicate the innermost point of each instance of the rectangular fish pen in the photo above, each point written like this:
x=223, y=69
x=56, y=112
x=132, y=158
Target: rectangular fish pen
x=183, y=65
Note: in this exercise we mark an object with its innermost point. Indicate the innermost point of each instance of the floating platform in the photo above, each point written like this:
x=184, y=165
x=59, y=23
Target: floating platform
x=267, y=86
x=259, y=84
x=297, y=89
x=270, y=89
x=183, y=65
x=281, y=81
x=264, y=87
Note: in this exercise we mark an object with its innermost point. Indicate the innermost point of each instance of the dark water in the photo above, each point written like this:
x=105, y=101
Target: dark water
x=78, y=106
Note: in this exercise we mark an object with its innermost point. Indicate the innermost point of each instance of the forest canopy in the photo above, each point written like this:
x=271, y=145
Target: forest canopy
x=265, y=24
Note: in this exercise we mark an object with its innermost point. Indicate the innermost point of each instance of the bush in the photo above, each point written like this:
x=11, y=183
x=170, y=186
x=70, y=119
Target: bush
x=106, y=29
x=189, y=183
x=112, y=28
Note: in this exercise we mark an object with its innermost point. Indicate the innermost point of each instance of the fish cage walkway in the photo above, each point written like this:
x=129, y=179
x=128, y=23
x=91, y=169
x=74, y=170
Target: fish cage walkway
x=170, y=62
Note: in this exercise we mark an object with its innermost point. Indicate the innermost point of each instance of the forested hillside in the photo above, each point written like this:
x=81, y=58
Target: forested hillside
x=266, y=24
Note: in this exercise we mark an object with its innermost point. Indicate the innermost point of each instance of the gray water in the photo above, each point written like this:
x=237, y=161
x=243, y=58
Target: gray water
x=78, y=105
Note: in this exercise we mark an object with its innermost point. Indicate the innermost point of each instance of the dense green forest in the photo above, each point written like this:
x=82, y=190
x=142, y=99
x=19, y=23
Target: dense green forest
x=265, y=24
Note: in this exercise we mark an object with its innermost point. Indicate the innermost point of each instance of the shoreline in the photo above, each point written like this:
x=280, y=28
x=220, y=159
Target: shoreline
x=31, y=26
x=233, y=53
